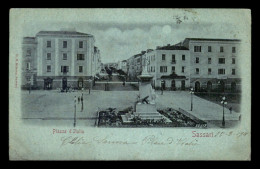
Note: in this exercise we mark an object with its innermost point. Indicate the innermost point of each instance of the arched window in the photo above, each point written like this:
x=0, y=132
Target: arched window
x=209, y=86
x=197, y=86
x=80, y=82
x=173, y=85
x=233, y=86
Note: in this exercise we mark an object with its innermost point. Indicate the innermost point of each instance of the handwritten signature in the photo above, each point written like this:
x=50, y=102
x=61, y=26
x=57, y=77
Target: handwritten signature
x=148, y=140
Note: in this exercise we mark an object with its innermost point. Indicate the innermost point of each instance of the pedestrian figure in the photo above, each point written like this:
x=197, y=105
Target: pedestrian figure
x=75, y=100
x=161, y=90
x=78, y=99
x=123, y=83
x=230, y=109
x=82, y=102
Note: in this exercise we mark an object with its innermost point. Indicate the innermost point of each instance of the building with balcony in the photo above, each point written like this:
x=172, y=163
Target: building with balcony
x=204, y=64
x=169, y=66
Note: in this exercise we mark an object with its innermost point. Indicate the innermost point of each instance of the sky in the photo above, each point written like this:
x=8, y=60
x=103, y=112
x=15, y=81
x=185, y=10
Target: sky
x=120, y=34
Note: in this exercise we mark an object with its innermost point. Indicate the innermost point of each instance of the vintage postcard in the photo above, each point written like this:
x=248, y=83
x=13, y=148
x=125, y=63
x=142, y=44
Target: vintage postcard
x=130, y=84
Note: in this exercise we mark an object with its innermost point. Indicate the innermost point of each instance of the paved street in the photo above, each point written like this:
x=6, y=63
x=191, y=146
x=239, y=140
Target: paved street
x=52, y=107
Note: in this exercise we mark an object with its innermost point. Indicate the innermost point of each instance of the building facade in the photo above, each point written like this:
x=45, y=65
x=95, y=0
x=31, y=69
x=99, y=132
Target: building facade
x=169, y=66
x=29, y=62
x=64, y=59
x=214, y=64
x=122, y=65
x=204, y=64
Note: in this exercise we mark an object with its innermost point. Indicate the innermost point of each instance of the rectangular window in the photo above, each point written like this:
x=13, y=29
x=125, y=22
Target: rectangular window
x=64, y=69
x=197, y=48
x=182, y=69
x=48, y=44
x=209, y=49
x=48, y=68
x=209, y=60
x=163, y=56
x=221, y=49
x=173, y=59
x=28, y=52
x=64, y=56
x=183, y=57
x=209, y=71
x=197, y=60
x=64, y=44
x=221, y=71
x=28, y=66
x=233, y=61
x=80, y=69
x=80, y=56
x=163, y=69
x=197, y=71
x=233, y=71
x=221, y=60
x=173, y=68
x=48, y=56
x=233, y=49
x=80, y=44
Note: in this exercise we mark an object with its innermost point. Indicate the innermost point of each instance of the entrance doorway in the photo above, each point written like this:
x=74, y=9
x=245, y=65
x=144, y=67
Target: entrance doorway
x=197, y=86
x=64, y=83
x=80, y=83
x=183, y=85
x=221, y=86
x=173, y=85
x=233, y=86
x=48, y=84
x=163, y=84
x=209, y=86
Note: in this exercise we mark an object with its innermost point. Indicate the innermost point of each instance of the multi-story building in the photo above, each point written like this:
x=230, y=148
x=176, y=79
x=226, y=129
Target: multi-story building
x=131, y=68
x=169, y=66
x=122, y=65
x=97, y=61
x=204, y=64
x=63, y=59
x=214, y=64
x=29, y=62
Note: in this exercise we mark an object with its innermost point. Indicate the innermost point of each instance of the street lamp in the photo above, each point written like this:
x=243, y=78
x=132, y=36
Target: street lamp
x=223, y=102
x=90, y=85
x=29, y=83
x=191, y=92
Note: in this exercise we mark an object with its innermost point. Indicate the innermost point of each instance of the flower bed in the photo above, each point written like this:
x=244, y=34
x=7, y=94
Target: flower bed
x=112, y=118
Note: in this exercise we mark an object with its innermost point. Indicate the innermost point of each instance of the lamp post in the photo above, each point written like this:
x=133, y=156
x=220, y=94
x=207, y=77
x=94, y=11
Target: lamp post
x=29, y=84
x=223, y=102
x=90, y=85
x=75, y=101
x=191, y=92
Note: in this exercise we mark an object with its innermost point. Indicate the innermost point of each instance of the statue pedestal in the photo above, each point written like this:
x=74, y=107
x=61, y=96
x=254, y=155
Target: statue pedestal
x=146, y=110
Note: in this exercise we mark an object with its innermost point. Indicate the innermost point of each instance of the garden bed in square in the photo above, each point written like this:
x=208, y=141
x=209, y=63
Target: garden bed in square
x=111, y=117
